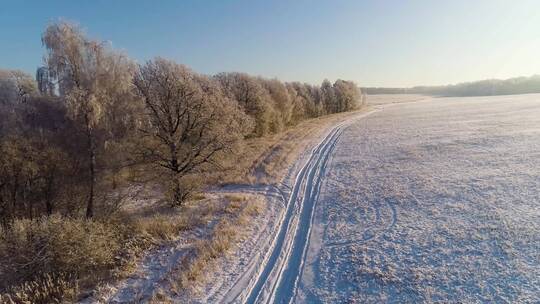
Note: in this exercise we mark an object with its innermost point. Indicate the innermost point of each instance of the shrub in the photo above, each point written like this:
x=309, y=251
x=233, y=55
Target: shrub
x=53, y=245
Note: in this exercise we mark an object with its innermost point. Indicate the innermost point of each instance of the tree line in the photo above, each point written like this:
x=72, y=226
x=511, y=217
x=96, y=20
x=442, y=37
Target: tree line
x=518, y=85
x=93, y=121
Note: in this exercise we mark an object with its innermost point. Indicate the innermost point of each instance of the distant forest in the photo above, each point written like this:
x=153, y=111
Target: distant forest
x=518, y=85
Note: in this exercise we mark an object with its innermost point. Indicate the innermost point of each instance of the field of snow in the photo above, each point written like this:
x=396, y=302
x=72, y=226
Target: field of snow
x=430, y=201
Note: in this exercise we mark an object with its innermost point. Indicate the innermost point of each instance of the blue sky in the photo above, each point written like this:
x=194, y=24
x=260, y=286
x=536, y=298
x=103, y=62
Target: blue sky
x=374, y=43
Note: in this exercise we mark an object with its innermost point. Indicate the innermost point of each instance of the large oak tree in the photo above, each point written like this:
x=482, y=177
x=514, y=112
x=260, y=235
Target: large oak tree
x=189, y=124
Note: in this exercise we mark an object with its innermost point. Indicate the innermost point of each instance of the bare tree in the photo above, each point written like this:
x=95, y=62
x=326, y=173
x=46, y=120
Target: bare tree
x=30, y=171
x=39, y=160
x=189, y=124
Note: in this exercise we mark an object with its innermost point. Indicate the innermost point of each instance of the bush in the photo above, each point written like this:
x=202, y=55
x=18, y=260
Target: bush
x=36, y=254
x=53, y=245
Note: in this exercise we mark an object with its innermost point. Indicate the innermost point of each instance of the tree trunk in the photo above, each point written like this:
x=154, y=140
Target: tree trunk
x=92, y=176
x=14, y=191
x=177, y=193
x=177, y=190
x=49, y=206
x=48, y=198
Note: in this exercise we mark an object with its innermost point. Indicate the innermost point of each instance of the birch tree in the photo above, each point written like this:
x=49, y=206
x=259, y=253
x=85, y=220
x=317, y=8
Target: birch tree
x=92, y=80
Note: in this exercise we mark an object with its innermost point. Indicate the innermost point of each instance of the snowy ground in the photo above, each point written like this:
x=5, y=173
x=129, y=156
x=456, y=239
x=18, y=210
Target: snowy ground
x=431, y=201
x=413, y=200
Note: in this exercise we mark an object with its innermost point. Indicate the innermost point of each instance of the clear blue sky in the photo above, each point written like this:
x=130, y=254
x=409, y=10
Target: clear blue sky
x=375, y=43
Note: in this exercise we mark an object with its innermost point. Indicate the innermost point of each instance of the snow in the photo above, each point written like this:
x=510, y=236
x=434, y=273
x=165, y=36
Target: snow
x=281, y=259
x=431, y=201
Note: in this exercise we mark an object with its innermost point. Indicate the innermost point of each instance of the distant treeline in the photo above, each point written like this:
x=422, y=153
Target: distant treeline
x=518, y=85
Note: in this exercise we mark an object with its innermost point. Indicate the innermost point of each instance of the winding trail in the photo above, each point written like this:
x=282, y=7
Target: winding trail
x=280, y=277
x=276, y=280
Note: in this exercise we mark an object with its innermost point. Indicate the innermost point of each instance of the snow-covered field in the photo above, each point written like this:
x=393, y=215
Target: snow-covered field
x=430, y=201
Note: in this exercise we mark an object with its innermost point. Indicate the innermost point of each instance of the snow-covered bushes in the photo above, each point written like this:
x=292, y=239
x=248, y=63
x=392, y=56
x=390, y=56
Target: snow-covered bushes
x=43, y=250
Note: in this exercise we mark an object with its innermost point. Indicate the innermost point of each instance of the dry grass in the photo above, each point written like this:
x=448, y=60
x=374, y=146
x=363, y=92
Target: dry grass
x=57, y=244
x=164, y=227
x=198, y=196
x=160, y=297
x=36, y=254
x=237, y=213
x=266, y=159
x=44, y=290
x=235, y=198
x=206, y=251
x=235, y=204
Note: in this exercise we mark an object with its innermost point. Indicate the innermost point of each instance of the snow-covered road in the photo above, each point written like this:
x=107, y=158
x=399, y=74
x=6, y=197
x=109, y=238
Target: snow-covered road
x=276, y=279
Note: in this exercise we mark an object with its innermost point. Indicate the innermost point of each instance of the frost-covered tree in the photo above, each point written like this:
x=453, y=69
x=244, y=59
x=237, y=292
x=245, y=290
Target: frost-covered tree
x=328, y=96
x=252, y=97
x=189, y=125
x=348, y=95
x=16, y=86
x=281, y=102
x=93, y=80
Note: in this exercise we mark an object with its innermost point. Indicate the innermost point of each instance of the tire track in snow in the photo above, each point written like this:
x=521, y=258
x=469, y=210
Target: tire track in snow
x=276, y=277
x=280, y=242
x=284, y=289
x=372, y=232
x=272, y=272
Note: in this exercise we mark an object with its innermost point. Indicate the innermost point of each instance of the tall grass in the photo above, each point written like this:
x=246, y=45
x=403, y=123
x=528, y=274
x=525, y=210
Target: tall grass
x=225, y=233
x=37, y=255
